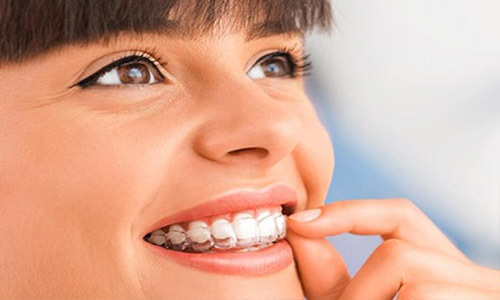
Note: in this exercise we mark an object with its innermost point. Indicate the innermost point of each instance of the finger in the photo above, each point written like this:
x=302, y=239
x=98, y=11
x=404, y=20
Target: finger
x=390, y=218
x=396, y=263
x=439, y=291
x=321, y=268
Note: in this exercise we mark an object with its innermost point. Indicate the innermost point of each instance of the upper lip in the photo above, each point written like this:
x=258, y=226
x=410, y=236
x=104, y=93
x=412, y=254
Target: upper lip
x=235, y=200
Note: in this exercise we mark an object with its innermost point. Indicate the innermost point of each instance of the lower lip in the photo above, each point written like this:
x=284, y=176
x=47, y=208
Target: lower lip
x=266, y=261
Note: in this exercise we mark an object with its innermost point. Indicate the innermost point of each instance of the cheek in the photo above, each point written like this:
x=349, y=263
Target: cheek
x=66, y=180
x=315, y=159
x=67, y=165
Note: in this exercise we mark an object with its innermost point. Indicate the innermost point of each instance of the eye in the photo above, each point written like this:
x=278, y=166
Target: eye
x=276, y=64
x=130, y=70
x=131, y=73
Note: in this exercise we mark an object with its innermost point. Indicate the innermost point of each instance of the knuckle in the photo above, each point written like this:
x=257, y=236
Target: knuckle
x=406, y=206
x=412, y=291
x=404, y=203
x=393, y=250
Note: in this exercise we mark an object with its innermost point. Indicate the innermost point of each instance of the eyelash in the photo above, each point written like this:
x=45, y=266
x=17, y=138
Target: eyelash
x=298, y=61
x=300, y=64
x=147, y=55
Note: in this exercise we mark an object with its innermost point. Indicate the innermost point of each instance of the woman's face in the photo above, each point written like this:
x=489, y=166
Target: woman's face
x=87, y=172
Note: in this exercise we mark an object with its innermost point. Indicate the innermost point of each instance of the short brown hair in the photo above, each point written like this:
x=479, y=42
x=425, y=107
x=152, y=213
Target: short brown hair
x=31, y=27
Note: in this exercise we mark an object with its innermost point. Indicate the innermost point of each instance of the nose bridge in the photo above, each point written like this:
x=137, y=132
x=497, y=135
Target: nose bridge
x=246, y=125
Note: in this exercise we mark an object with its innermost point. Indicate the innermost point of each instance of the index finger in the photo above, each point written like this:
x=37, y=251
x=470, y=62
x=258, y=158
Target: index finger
x=389, y=218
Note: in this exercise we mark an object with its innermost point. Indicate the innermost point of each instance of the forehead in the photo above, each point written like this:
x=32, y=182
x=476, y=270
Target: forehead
x=38, y=26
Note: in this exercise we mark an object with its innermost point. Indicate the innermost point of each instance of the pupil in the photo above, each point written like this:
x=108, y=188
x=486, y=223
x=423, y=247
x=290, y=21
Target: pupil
x=135, y=73
x=273, y=68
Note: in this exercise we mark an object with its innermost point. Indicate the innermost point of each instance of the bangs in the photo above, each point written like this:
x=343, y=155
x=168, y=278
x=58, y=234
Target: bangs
x=31, y=27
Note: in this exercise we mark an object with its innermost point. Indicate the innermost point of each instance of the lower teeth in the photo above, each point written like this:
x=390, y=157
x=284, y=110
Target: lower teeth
x=255, y=248
x=207, y=247
x=249, y=249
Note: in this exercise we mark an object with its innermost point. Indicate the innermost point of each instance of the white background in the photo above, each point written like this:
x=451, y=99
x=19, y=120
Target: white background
x=410, y=91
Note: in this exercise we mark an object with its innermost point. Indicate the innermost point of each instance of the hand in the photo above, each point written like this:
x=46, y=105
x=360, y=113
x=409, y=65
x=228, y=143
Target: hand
x=414, y=261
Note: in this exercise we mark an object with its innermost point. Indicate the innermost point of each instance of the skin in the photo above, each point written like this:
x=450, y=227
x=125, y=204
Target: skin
x=414, y=261
x=84, y=172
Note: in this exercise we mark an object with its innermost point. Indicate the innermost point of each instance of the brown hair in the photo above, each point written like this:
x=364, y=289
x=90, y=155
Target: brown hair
x=31, y=27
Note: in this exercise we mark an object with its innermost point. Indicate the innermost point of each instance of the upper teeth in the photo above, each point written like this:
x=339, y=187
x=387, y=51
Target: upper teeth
x=245, y=230
x=223, y=234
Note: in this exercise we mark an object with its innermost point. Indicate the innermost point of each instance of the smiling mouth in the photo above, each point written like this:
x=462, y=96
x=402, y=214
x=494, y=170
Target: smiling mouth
x=242, y=231
x=239, y=232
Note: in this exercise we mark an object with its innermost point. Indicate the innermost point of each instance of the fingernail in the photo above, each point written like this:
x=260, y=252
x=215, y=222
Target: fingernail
x=306, y=215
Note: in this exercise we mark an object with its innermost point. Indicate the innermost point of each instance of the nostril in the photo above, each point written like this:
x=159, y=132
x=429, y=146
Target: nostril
x=252, y=151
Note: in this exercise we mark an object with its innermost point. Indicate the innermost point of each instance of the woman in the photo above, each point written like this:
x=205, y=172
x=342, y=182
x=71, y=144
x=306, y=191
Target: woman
x=151, y=150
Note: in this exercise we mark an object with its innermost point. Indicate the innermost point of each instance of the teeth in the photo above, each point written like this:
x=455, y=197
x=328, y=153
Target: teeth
x=255, y=248
x=268, y=232
x=263, y=214
x=280, y=224
x=199, y=236
x=246, y=230
x=157, y=237
x=176, y=238
x=245, y=233
x=223, y=233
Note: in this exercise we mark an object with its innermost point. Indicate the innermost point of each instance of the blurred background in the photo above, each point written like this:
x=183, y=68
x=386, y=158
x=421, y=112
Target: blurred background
x=410, y=93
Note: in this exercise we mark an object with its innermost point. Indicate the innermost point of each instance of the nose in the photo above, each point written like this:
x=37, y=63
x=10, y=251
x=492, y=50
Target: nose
x=247, y=126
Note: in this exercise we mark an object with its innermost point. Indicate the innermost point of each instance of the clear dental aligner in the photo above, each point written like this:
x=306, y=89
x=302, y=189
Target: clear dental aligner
x=247, y=231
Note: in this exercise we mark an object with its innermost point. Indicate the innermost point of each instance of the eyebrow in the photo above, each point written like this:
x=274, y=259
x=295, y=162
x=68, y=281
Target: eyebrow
x=32, y=27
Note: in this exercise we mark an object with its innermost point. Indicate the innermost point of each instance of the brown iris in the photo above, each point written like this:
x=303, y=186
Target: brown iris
x=134, y=73
x=276, y=67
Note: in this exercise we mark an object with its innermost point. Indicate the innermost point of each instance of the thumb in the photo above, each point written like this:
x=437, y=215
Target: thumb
x=321, y=269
